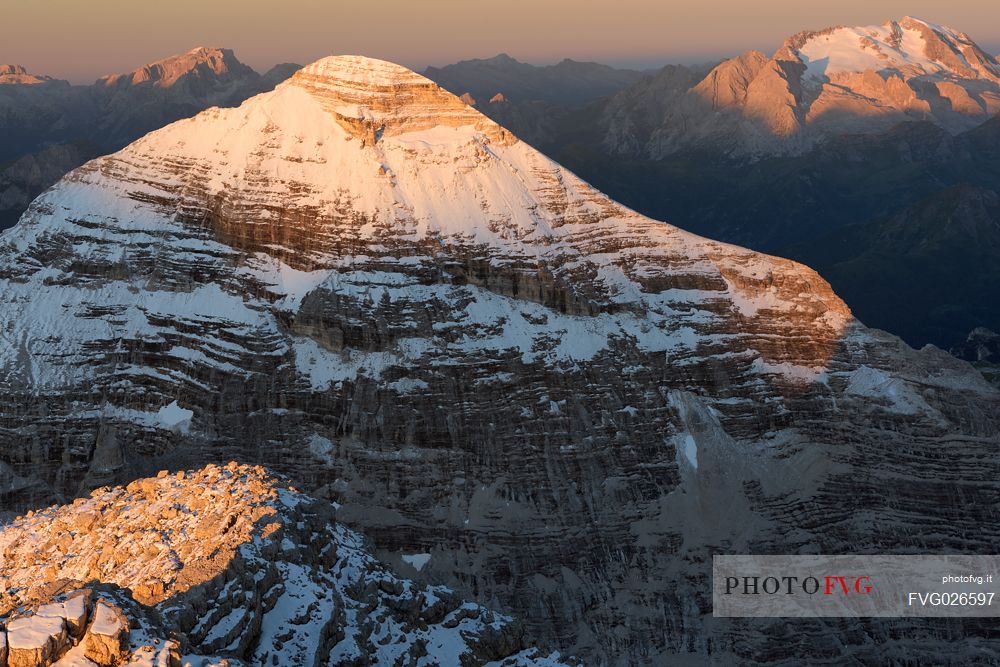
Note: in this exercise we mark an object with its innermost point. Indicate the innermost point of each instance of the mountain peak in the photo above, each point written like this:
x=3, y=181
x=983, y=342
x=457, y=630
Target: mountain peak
x=503, y=59
x=17, y=74
x=909, y=46
x=819, y=84
x=916, y=23
x=912, y=20
x=200, y=62
x=370, y=97
x=353, y=70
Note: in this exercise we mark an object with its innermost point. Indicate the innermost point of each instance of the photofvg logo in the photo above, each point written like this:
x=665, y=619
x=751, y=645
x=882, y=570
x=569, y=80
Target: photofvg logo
x=804, y=586
x=827, y=584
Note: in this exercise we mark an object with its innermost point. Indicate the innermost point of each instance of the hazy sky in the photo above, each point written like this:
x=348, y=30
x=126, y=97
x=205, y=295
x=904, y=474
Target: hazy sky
x=80, y=40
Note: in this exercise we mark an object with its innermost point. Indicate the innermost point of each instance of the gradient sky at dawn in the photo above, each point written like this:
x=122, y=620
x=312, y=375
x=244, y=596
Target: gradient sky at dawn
x=81, y=40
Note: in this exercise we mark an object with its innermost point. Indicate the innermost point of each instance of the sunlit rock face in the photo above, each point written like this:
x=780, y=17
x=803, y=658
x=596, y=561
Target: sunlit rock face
x=514, y=385
x=16, y=75
x=372, y=99
x=819, y=84
x=199, y=567
x=213, y=64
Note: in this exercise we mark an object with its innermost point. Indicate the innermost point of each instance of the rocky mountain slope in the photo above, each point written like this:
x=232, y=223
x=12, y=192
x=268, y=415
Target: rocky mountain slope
x=819, y=84
x=225, y=564
x=43, y=122
x=23, y=179
x=944, y=246
x=540, y=398
x=982, y=348
x=876, y=120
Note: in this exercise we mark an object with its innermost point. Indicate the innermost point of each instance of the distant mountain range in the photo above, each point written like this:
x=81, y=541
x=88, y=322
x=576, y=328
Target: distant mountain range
x=568, y=83
x=818, y=85
x=48, y=126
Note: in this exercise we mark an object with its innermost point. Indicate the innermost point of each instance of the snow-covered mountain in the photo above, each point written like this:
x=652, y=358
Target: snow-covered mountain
x=561, y=407
x=819, y=84
x=909, y=48
x=226, y=566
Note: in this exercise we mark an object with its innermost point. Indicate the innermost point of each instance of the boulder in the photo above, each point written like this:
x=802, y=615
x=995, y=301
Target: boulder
x=36, y=641
x=106, y=639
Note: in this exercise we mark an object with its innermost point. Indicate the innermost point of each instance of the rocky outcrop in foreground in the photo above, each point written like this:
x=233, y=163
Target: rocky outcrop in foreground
x=225, y=564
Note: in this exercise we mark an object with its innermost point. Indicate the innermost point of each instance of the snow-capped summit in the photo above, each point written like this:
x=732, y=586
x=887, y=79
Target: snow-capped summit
x=909, y=48
x=369, y=96
x=363, y=72
x=819, y=84
x=515, y=385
